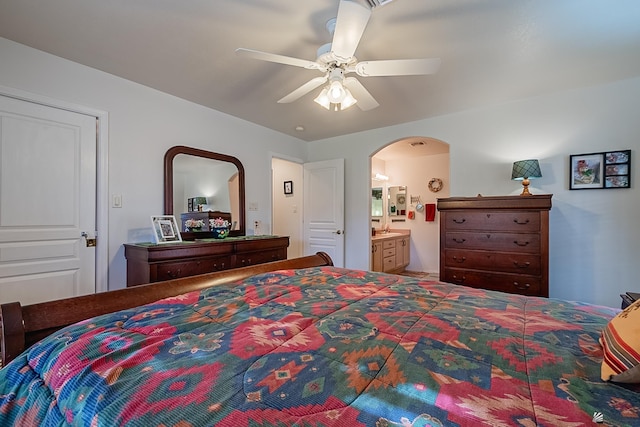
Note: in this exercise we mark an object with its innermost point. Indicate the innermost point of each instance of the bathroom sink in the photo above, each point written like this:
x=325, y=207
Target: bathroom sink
x=391, y=234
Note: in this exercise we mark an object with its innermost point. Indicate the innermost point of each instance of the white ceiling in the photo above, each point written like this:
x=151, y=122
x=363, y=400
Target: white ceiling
x=492, y=51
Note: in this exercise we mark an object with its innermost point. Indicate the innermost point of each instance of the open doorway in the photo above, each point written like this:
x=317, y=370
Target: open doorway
x=412, y=163
x=286, y=203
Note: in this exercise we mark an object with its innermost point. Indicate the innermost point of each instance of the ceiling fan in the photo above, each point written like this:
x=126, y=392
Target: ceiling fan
x=336, y=59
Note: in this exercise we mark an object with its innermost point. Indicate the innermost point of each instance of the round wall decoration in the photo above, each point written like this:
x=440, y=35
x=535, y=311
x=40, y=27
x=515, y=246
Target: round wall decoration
x=435, y=185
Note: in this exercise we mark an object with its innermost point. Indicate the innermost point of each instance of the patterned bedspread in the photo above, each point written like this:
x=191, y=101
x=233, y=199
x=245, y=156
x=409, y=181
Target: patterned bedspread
x=323, y=347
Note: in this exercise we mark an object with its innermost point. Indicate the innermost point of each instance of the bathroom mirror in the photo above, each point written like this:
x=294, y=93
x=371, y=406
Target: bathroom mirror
x=377, y=203
x=397, y=201
x=191, y=173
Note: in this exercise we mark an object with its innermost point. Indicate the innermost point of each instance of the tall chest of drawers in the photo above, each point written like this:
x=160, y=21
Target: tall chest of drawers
x=497, y=243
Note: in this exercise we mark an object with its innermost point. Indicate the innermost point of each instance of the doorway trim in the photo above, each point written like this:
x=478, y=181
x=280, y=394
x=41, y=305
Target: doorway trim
x=102, y=164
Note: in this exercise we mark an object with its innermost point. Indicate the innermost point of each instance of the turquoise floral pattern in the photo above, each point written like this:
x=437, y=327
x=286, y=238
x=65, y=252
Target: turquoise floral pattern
x=189, y=342
x=325, y=347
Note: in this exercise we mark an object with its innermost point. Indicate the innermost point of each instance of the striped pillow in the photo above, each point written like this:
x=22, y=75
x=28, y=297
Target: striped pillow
x=621, y=344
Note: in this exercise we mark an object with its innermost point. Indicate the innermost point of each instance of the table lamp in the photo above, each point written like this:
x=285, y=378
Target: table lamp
x=523, y=170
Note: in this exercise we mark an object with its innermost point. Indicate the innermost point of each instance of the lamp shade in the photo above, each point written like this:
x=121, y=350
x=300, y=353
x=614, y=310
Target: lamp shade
x=523, y=169
x=335, y=96
x=200, y=200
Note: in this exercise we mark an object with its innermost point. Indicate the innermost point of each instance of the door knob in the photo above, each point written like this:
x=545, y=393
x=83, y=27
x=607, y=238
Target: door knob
x=91, y=241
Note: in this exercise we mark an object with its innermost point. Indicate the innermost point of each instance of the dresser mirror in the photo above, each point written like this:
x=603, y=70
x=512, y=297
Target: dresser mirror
x=397, y=202
x=199, y=180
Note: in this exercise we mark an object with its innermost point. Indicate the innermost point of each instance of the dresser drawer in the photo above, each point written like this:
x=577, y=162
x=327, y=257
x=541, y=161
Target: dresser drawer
x=511, y=283
x=251, y=258
x=505, y=221
x=508, y=262
x=148, y=263
x=507, y=242
x=175, y=270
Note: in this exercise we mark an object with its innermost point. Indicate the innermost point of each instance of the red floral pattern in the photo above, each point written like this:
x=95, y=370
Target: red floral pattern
x=324, y=347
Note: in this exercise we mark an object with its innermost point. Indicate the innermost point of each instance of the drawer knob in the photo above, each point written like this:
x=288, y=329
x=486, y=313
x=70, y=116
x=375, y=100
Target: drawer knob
x=460, y=260
x=457, y=279
x=517, y=221
x=173, y=275
x=459, y=221
x=519, y=243
x=523, y=265
x=459, y=240
x=522, y=287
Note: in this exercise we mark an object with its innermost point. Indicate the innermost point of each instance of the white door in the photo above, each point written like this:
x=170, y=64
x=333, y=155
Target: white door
x=324, y=209
x=47, y=201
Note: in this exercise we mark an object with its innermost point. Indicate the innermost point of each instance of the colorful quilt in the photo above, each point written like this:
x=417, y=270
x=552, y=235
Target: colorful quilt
x=324, y=347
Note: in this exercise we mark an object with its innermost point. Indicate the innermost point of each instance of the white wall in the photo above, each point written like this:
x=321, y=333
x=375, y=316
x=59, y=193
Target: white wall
x=287, y=208
x=594, y=236
x=143, y=124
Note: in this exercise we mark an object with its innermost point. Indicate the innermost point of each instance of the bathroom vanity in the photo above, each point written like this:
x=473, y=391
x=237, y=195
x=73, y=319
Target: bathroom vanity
x=390, y=251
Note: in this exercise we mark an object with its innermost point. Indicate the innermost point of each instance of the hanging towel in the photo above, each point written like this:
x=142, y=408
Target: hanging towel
x=430, y=212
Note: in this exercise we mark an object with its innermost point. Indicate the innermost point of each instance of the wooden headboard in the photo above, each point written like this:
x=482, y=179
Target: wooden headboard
x=21, y=327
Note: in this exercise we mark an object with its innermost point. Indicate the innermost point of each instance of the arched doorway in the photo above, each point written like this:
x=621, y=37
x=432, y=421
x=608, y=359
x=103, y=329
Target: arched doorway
x=412, y=162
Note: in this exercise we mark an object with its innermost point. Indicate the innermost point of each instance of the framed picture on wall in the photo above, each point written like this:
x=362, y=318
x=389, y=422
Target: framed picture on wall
x=288, y=187
x=165, y=229
x=586, y=171
x=617, y=169
x=606, y=170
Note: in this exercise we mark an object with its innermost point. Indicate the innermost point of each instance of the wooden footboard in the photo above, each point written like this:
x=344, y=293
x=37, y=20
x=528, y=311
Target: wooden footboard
x=21, y=327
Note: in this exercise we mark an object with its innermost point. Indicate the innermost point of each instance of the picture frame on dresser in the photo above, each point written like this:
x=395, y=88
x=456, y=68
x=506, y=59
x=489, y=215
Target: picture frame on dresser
x=165, y=229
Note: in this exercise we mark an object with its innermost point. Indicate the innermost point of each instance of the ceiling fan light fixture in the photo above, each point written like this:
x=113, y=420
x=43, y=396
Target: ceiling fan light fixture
x=336, y=59
x=323, y=98
x=343, y=102
x=348, y=100
x=336, y=92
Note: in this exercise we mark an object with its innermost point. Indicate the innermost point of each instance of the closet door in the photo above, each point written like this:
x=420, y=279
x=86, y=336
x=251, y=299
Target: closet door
x=47, y=202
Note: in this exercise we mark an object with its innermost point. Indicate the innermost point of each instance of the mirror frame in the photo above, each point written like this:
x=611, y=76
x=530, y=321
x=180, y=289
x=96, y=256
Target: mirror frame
x=401, y=188
x=168, y=186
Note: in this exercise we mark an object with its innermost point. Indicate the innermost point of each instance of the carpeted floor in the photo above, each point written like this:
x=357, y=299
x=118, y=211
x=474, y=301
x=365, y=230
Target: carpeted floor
x=418, y=274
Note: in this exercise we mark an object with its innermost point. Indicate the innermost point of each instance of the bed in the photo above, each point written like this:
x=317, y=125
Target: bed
x=303, y=343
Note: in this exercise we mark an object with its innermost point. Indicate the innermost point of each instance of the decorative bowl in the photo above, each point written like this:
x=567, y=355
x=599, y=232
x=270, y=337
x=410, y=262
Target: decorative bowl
x=220, y=232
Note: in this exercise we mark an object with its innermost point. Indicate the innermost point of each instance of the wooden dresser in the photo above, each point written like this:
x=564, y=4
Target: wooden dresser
x=148, y=262
x=498, y=243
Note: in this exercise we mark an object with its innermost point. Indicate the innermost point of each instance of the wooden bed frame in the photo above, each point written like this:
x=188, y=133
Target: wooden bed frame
x=21, y=327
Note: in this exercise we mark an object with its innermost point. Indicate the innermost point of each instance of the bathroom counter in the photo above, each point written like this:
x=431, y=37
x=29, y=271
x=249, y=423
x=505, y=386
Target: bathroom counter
x=390, y=251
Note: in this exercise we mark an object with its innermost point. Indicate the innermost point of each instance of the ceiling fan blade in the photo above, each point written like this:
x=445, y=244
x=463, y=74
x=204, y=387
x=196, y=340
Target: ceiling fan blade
x=303, y=90
x=280, y=59
x=365, y=100
x=398, y=67
x=350, y=24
